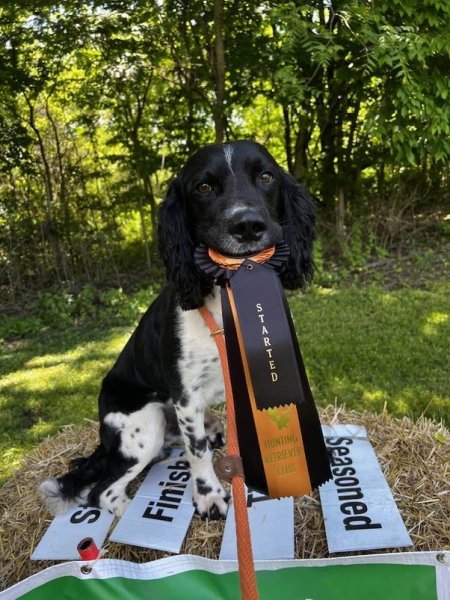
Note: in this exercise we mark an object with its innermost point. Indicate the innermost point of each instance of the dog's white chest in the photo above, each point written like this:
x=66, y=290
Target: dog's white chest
x=199, y=362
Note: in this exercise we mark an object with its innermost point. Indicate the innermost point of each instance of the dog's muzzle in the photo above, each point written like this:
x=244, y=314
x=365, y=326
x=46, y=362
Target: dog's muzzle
x=247, y=225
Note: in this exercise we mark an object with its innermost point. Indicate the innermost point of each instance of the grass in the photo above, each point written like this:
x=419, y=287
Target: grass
x=370, y=347
x=50, y=381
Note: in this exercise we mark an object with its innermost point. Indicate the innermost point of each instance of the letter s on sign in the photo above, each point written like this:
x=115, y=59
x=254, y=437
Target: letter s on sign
x=91, y=516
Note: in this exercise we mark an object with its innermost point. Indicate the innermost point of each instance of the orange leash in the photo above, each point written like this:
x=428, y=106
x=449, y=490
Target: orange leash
x=247, y=574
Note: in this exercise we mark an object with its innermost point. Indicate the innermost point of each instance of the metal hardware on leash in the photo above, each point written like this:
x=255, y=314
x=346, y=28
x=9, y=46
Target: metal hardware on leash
x=227, y=467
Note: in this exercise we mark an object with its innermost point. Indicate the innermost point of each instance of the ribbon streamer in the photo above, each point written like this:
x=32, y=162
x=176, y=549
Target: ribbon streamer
x=279, y=431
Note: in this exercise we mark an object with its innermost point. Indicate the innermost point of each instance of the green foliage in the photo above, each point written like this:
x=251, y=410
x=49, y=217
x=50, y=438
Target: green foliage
x=358, y=249
x=363, y=87
x=17, y=327
x=361, y=246
x=58, y=310
x=322, y=275
x=101, y=104
x=444, y=228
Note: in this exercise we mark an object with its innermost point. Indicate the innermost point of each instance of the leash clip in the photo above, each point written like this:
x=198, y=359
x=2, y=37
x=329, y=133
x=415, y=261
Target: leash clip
x=228, y=467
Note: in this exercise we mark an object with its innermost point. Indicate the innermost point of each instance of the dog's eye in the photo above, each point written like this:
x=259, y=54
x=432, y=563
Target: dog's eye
x=265, y=177
x=204, y=187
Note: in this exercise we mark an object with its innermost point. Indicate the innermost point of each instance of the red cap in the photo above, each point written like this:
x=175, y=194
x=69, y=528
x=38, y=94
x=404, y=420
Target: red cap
x=87, y=549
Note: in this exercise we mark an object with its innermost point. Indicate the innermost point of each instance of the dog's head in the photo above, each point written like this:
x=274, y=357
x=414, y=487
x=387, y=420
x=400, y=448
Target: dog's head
x=236, y=199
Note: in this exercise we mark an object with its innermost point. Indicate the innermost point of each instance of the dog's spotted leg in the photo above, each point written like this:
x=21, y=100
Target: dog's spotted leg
x=213, y=427
x=210, y=499
x=214, y=431
x=141, y=437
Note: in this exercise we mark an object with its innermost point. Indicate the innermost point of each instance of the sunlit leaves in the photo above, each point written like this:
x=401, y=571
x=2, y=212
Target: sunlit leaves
x=348, y=94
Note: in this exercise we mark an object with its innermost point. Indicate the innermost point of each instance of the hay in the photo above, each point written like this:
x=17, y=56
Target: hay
x=413, y=456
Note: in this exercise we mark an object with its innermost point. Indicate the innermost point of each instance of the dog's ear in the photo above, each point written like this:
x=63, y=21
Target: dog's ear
x=298, y=222
x=177, y=246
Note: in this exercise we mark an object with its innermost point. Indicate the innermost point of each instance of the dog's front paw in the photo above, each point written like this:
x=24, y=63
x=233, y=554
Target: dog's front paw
x=210, y=499
x=114, y=502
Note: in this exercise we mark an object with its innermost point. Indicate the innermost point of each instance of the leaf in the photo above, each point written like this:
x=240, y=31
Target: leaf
x=440, y=437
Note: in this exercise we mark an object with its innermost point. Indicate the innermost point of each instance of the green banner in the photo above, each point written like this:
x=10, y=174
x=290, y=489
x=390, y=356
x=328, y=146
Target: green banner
x=351, y=582
x=414, y=576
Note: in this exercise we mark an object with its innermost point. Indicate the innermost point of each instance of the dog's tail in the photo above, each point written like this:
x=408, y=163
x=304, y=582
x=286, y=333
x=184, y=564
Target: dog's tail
x=72, y=489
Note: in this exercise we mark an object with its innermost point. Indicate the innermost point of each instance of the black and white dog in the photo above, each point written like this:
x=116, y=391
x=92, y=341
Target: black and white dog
x=236, y=199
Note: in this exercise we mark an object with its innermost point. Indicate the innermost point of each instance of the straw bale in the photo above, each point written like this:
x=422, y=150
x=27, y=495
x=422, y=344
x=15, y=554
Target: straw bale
x=413, y=456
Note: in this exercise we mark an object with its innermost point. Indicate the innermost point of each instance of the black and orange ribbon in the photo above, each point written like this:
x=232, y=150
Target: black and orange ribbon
x=280, y=436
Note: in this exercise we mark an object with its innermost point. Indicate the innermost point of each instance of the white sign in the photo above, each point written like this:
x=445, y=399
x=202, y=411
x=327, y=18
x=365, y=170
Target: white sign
x=358, y=507
x=66, y=531
x=159, y=515
x=342, y=430
x=271, y=528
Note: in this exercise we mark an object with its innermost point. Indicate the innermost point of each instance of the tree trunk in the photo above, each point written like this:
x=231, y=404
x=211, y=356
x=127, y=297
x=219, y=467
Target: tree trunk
x=144, y=232
x=344, y=176
x=340, y=219
x=219, y=71
x=50, y=228
x=288, y=139
x=300, y=169
x=328, y=177
x=62, y=193
x=62, y=177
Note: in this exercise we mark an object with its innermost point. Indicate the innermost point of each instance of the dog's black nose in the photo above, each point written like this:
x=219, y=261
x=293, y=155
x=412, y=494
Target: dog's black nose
x=247, y=226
